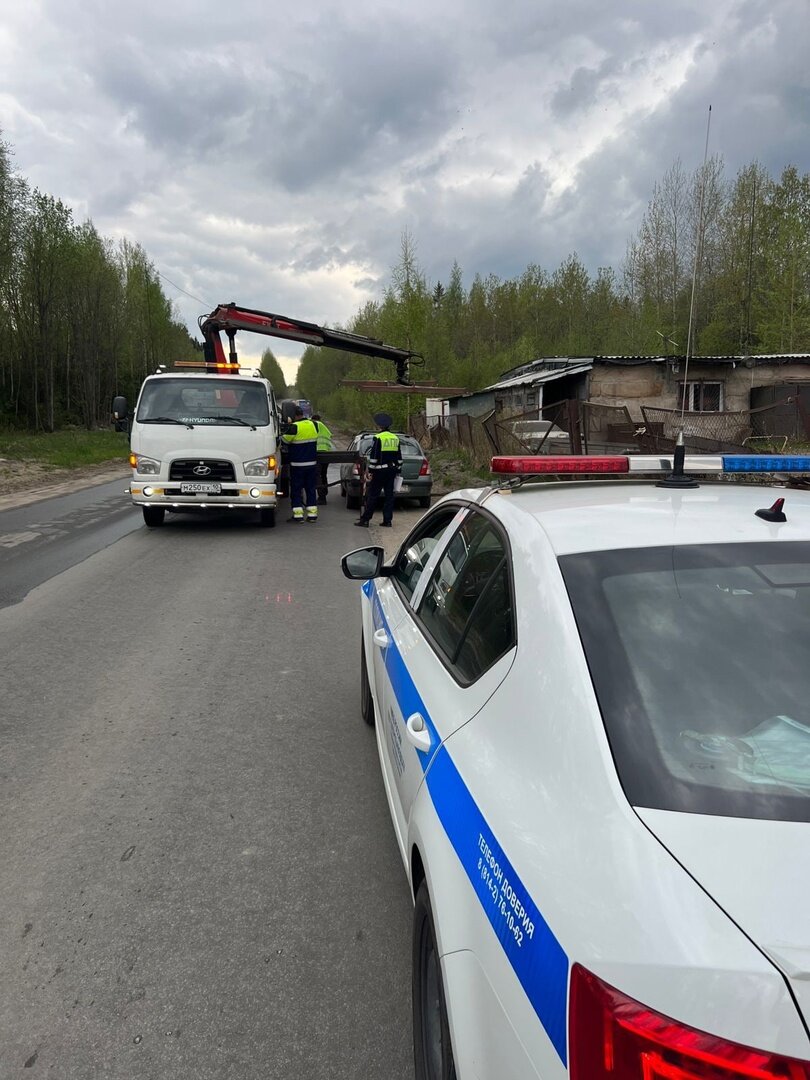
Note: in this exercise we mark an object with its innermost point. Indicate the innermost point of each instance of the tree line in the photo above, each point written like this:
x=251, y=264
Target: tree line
x=745, y=241
x=81, y=318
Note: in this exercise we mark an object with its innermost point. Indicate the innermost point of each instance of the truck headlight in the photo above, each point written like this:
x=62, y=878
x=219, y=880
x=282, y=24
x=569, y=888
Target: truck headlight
x=146, y=466
x=257, y=467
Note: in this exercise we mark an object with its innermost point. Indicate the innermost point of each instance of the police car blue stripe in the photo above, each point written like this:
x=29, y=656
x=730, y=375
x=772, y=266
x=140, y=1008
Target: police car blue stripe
x=536, y=956
x=408, y=697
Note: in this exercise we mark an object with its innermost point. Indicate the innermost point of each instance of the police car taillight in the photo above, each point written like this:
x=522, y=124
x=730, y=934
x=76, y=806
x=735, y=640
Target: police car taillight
x=613, y=1037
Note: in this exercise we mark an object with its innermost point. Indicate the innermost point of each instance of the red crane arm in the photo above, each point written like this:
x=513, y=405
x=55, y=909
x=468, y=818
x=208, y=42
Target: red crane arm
x=231, y=318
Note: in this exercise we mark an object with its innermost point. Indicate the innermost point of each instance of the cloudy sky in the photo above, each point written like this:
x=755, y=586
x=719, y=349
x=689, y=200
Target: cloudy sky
x=274, y=153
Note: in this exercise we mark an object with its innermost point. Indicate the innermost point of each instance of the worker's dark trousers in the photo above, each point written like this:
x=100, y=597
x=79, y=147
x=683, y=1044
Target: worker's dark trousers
x=323, y=482
x=382, y=483
x=303, y=487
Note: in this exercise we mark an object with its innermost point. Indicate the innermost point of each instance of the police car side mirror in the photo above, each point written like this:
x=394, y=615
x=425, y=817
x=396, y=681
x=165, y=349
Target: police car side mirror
x=119, y=408
x=364, y=563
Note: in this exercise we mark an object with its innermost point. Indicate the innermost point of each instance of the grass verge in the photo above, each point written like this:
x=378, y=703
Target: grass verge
x=65, y=449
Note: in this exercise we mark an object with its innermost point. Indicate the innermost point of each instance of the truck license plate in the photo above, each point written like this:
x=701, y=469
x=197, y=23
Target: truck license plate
x=200, y=489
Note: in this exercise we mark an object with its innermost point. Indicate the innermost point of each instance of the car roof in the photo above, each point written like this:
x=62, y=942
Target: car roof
x=402, y=435
x=603, y=515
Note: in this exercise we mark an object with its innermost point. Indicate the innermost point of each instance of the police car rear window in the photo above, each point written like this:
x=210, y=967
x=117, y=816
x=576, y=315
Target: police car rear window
x=699, y=660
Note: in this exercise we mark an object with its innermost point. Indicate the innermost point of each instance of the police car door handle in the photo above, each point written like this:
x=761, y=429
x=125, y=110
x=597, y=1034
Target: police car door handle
x=381, y=639
x=417, y=732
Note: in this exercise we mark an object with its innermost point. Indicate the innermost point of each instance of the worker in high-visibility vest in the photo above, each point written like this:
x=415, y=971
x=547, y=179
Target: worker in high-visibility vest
x=301, y=438
x=324, y=443
x=384, y=465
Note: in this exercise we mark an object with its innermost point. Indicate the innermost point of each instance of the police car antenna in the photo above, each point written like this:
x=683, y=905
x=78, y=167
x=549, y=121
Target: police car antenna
x=677, y=478
x=698, y=253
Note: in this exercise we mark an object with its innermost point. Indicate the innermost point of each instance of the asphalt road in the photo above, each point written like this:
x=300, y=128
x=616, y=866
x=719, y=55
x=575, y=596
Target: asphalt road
x=198, y=875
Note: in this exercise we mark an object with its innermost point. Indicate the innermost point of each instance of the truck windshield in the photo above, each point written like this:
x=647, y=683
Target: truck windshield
x=699, y=661
x=203, y=401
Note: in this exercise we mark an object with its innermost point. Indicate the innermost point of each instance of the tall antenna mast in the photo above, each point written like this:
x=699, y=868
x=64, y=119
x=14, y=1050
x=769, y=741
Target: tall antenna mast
x=677, y=478
x=698, y=252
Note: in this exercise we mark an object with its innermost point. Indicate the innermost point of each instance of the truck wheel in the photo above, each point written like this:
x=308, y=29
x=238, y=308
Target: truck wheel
x=267, y=517
x=366, y=700
x=153, y=516
x=432, y=1052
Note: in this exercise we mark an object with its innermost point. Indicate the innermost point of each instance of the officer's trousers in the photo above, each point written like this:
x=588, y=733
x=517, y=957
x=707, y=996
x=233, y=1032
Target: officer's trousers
x=303, y=489
x=382, y=483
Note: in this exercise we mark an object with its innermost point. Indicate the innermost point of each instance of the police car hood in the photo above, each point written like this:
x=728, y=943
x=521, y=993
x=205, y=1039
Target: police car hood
x=758, y=872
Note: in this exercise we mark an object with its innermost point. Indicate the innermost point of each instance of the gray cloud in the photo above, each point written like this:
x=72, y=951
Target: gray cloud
x=275, y=157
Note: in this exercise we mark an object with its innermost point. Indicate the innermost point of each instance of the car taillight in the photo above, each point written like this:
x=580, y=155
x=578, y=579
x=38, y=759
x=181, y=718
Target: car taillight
x=356, y=469
x=425, y=470
x=613, y=1037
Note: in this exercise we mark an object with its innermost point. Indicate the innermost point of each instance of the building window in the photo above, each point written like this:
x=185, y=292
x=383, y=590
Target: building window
x=701, y=396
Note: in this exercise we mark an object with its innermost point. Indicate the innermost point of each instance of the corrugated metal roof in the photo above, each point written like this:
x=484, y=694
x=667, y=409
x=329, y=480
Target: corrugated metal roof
x=535, y=378
x=545, y=363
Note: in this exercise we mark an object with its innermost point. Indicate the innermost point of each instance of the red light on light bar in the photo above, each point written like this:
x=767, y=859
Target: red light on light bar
x=548, y=464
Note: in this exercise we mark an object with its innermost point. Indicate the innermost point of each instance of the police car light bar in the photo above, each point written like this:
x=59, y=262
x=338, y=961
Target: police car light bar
x=647, y=463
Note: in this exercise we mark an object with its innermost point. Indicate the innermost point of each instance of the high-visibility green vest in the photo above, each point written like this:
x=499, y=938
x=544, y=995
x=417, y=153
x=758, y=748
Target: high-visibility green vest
x=324, y=435
x=389, y=442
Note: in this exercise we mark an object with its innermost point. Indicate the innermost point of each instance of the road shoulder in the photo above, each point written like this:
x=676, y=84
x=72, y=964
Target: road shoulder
x=64, y=482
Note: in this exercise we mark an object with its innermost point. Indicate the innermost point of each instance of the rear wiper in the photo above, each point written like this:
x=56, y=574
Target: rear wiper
x=166, y=420
x=230, y=420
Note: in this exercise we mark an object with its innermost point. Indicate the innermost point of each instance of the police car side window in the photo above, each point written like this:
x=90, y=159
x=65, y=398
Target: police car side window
x=417, y=549
x=467, y=606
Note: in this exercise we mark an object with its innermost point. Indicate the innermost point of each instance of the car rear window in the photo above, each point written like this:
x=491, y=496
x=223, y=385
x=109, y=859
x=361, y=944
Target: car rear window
x=699, y=660
x=410, y=447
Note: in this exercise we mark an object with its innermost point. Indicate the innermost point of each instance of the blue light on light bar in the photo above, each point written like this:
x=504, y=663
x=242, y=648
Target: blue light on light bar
x=766, y=463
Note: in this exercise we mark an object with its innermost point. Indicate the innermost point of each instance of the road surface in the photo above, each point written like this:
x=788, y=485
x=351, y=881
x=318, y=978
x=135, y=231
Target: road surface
x=198, y=875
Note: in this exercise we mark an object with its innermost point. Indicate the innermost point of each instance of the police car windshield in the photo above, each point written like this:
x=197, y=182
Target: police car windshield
x=699, y=661
x=203, y=401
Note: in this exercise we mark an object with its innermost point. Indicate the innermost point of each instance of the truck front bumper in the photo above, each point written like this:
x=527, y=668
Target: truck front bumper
x=233, y=495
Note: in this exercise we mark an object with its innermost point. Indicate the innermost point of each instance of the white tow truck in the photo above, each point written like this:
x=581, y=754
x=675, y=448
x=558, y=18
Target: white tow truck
x=206, y=436
x=203, y=441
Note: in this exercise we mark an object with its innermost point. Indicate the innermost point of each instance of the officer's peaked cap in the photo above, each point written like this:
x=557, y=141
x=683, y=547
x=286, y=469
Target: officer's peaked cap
x=382, y=420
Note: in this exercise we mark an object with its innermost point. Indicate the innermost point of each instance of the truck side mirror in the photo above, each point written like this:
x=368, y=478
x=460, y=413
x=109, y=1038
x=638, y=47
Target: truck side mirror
x=119, y=408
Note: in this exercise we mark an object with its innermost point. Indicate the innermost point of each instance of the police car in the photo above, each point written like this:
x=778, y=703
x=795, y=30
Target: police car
x=592, y=710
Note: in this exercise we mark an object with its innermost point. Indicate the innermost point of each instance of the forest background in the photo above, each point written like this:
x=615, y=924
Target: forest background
x=83, y=318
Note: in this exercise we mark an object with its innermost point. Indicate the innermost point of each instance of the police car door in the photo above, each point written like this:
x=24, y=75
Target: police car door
x=393, y=594
x=453, y=647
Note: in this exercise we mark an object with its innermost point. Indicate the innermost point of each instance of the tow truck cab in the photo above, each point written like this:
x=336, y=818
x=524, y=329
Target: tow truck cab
x=204, y=441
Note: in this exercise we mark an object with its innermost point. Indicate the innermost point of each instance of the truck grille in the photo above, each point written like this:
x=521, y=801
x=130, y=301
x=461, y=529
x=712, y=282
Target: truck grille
x=183, y=469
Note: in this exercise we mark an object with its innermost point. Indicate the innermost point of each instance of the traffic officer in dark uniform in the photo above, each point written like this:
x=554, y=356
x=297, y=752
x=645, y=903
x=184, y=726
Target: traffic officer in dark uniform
x=301, y=438
x=384, y=464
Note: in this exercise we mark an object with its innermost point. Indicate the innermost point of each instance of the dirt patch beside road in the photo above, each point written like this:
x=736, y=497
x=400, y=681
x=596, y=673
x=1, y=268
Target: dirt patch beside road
x=23, y=482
